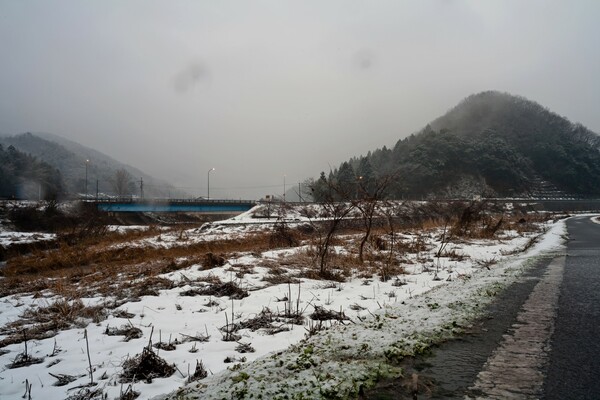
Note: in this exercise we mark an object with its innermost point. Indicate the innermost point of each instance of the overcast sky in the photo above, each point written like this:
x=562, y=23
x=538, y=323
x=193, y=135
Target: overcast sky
x=263, y=89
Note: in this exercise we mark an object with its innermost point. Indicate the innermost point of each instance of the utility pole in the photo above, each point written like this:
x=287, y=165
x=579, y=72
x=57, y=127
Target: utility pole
x=86, y=177
x=96, y=190
x=141, y=188
x=300, y=193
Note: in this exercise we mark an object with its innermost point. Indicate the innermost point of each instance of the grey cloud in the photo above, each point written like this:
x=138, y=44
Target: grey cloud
x=286, y=87
x=364, y=58
x=189, y=77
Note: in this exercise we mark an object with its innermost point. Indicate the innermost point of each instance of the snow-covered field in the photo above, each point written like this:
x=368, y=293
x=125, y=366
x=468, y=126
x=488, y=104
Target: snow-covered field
x=8, y=239
x=341, y=333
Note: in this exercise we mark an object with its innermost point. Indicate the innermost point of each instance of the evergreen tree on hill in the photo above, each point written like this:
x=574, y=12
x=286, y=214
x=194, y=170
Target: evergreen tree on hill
x=494, y=143
x=23, y=176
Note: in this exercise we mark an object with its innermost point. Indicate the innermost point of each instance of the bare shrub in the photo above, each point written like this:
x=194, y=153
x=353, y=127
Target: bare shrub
x=322, y=314
x=24, y=360
x=388, y=270
x=262, y=320
x=199, y=372
x=128, y=331
x=87, y=394
x=330, y=275
x=129, y=394
x=168, y=346
x=64, y=379
x=282, y=236
x=230, y=332
x=314, y=327
x=211, y=261
x=244, y=348
x=145, y=366
x=476, y=220
x=123, y=314
x=151, y=286
x=230, y=289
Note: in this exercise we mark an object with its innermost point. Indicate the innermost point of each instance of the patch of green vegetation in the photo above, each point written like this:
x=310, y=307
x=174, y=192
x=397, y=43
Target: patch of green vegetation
x=397, y=352
x=241, y=377
x=304, y=360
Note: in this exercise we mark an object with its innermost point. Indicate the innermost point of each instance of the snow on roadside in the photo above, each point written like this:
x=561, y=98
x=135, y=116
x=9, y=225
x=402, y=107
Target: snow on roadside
x=338, y=361
x=386, y=322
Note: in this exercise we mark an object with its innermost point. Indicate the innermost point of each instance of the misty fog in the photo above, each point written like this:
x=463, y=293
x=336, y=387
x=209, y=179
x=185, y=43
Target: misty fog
x=261, y=90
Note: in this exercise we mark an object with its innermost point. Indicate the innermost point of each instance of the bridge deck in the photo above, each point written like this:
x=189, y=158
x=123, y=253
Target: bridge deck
x=200, y=206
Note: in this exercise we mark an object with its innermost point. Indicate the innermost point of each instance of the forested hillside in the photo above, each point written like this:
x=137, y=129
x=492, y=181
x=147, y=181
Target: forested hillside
x=491, y=144
x=75, y=162
x=23, y=176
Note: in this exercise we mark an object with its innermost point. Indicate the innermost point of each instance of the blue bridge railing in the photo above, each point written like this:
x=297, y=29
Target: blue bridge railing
x=171, y=205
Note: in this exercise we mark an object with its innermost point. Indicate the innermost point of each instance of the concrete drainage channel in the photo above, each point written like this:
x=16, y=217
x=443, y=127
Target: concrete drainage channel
x=465, y=367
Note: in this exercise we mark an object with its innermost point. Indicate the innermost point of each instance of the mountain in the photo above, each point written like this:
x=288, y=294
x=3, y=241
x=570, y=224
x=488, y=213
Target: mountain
x=70, y=157
x=23, y=176
x=491, y=144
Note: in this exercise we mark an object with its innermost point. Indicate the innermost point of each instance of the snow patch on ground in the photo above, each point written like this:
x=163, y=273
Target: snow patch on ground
x=386, y=320
x=339, y=360
x=8, y=239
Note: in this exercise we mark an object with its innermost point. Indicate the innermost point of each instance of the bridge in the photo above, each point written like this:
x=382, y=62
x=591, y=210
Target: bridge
x=133, y=205
x=173, y=205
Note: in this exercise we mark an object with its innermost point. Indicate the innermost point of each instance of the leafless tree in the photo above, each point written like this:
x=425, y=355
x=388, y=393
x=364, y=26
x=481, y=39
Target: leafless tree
x=333, y=213
x=370, y=195
x=305, y=191
x=390, y=211
x=122, y=182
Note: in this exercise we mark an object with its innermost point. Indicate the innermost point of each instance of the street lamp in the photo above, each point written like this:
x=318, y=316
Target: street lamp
x=208, y=183
x=359, y=186
x=86, y=177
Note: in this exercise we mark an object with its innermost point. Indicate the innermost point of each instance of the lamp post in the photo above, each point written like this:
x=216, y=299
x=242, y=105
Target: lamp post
x=208, y=183
x=86, y=177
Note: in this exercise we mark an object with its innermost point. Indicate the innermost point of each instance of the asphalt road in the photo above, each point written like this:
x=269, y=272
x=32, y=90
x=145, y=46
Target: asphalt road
x=574, y=359
x=542, y=338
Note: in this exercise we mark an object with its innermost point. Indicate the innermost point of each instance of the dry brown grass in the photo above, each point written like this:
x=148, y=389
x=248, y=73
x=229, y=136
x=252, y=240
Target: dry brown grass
x=454, y=255
x=345, y=263
x=415, y=244
x=96, y=269
x=523, y=224
x=427, y=225
x=106, y=266
x=46, y=321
